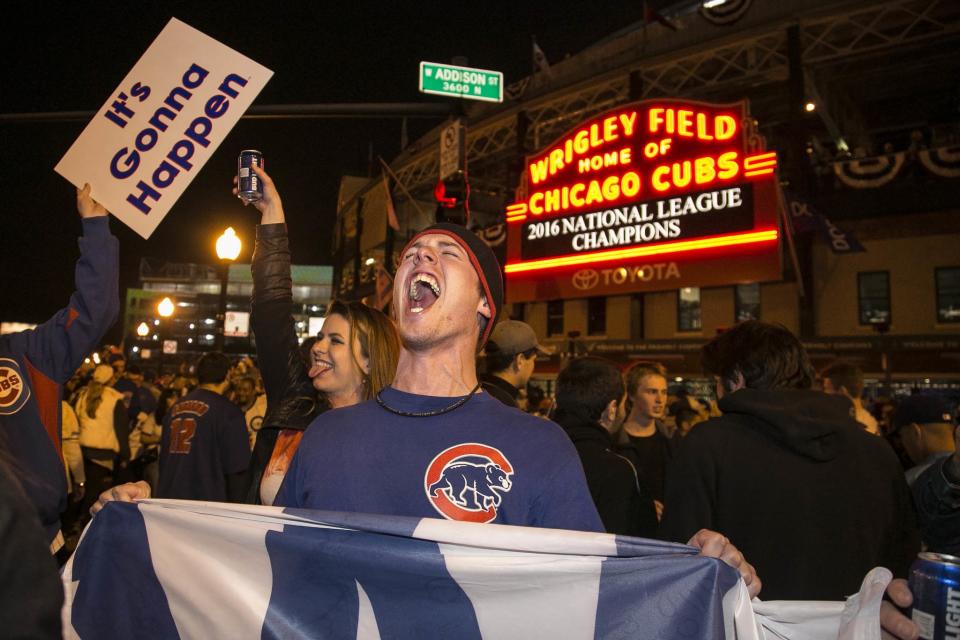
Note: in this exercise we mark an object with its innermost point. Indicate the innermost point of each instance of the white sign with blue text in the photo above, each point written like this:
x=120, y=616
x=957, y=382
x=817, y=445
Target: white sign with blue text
x=158, y=128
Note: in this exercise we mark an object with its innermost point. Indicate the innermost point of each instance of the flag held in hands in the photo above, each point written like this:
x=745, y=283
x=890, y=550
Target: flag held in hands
x=174, y=568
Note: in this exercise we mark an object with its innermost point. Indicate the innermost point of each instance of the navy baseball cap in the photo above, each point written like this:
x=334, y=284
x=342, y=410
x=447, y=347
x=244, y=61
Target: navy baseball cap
x=922, y=409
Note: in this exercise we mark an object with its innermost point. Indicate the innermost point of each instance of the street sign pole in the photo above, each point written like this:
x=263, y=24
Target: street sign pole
x=452, y=149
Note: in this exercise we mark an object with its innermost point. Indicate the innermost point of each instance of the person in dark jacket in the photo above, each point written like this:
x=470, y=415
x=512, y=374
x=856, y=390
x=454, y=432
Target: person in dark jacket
x=812, y=499
x=643, y=432
x=292, y=402
x=511, y=355
x=590, y=407
x=35, y=364
x=936, y=489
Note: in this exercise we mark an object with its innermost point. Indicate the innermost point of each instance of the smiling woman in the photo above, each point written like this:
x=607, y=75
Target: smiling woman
x=355, y=354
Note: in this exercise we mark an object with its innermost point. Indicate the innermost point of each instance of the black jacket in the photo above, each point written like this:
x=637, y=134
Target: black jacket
x=936, y=493
x=32, y=594
x=500, y=389
x=292, y=402
x=811, y=500
x=624, y=504
x=652, y=455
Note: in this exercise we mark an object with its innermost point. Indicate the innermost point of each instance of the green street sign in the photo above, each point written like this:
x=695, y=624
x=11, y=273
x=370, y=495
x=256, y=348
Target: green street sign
x=461, y=82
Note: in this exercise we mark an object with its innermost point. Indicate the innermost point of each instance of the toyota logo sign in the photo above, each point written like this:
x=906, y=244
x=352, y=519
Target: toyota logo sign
x=586, y=279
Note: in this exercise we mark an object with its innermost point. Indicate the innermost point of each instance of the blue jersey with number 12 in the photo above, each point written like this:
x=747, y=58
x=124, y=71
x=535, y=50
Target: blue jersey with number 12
x=204, y=440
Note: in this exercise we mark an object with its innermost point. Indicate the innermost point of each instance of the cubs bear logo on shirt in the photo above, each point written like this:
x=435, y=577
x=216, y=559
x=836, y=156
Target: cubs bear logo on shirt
x=466, y=482
x=14, y=393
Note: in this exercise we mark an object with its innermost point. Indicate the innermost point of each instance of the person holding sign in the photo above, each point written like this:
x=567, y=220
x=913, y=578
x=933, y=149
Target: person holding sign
x=34, y=364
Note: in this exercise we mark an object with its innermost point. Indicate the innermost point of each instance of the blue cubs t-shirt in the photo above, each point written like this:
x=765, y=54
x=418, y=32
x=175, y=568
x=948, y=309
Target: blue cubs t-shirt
x=204, y=439
x=481, y=462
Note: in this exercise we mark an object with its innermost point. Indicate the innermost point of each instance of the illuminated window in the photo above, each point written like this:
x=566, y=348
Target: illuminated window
x=873, y=295
x=555, y=318
x=597, y=316
x=688, y=309
x=747, y=301
x=948, y=294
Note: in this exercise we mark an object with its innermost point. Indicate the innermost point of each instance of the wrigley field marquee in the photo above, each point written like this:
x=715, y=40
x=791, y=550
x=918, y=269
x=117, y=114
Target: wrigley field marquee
x=689, y=181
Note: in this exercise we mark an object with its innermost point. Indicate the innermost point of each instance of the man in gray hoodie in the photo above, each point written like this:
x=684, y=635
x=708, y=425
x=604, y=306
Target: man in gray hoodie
x=812, y=499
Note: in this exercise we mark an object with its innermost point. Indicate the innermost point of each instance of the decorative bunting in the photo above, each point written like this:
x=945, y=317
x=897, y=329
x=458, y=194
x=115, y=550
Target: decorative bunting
x=943, y=162
x=865, y=173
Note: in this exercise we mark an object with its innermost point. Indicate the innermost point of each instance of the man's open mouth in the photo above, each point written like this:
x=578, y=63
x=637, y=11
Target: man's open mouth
x=423, y=292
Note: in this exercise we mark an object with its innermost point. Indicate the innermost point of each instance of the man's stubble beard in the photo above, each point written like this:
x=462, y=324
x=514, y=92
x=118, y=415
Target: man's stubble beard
x=433, y=337
x=423, y=340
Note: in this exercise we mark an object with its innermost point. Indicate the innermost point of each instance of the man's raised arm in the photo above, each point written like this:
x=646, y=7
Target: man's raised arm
x=58, y=346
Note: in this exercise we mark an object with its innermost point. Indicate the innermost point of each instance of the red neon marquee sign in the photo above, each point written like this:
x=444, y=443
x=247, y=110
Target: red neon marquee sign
x=643, y=179
x=644, y=150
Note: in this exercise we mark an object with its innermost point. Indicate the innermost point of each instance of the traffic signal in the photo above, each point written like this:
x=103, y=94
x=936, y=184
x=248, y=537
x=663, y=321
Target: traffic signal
x=453, y=195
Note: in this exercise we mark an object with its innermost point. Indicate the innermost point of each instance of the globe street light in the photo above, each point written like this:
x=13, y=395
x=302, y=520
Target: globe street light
x=228, y=245
x=165, y=309
x=143, y=330
x=228, y=248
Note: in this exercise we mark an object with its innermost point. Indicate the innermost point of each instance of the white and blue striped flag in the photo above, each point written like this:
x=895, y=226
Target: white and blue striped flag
x=171, y=568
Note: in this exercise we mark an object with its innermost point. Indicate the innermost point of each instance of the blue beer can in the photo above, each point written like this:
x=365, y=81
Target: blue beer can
x=935, y=583
x=249, y=187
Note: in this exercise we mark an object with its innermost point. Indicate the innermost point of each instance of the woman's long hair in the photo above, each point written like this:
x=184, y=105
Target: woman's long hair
x=93, y=397
x=379, y=343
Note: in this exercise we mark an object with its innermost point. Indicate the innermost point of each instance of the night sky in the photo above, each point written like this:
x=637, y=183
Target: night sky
x=71, y=56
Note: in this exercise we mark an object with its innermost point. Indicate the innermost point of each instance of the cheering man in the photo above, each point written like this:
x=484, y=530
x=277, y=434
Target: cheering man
x=432, y=444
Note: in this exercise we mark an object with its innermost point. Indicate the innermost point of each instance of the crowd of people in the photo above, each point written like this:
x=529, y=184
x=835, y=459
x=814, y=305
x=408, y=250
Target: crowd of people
x=113, y=414
x=783, y=470
x=784, y=458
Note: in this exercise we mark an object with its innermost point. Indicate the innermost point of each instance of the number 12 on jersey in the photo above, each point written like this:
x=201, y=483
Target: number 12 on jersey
x=181, y=434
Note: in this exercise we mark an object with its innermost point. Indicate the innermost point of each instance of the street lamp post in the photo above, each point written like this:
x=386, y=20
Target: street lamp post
x=143, y=330
x=165, y=310
x=228, y=248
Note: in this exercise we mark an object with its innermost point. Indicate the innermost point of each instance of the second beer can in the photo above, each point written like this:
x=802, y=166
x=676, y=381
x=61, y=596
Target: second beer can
x=935, y=584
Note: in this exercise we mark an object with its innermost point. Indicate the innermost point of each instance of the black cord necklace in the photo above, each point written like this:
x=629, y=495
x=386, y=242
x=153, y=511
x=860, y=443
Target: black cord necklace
x=428, y=414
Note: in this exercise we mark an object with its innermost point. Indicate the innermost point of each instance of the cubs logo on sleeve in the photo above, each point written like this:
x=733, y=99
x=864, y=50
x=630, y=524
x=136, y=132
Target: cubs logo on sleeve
x=466, y=481
x=14, y=393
